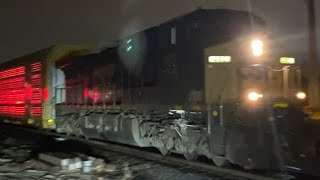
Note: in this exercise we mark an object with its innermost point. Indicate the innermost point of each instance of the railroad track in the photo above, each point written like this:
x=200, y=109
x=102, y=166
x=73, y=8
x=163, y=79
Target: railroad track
x=168, y=160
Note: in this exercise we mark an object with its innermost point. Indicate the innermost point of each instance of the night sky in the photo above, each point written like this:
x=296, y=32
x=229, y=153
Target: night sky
x=30, y=25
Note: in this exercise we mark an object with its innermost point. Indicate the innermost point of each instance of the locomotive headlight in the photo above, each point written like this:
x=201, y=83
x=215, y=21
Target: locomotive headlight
x=257, y=47
x=301, y=95
x=254, y=96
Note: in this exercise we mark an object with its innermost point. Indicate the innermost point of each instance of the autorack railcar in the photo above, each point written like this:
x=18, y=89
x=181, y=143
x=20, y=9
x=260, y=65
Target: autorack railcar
x=28, y=84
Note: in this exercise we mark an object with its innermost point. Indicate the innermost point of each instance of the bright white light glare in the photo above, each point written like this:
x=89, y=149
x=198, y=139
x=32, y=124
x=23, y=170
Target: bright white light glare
x=294, y=168
x=129, y=41
x=129, y=48
x=301, y=95
x=59, y=139
x=257, y=47
x=178, y=111
x=254, y=96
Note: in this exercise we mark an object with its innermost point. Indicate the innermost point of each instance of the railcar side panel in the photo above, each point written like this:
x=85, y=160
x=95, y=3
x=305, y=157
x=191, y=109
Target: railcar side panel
x=22, y=92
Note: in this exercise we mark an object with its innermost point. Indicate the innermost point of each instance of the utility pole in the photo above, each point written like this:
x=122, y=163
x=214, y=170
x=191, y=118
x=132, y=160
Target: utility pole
x=313, y=87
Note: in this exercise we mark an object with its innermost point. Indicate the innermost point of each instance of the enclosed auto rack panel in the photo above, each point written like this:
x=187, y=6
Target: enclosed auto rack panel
x=21, y=91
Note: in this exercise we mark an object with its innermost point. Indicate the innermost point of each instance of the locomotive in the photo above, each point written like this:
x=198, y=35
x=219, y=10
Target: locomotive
x=202, y=84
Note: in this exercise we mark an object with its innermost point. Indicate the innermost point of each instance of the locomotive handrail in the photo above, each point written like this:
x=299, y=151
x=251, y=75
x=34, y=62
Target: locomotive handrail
x=262, y=65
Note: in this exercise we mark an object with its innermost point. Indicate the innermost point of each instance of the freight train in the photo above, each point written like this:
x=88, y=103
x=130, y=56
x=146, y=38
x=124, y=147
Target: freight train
x=203, y=84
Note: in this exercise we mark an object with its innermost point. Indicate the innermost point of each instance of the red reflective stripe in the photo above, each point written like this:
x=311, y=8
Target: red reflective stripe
x=28, y=92
x=15, y=91
x=45, y=94
x=36, y=111
x=86, y=93
x=36, y=67
x=95, y=95
x=12, y=72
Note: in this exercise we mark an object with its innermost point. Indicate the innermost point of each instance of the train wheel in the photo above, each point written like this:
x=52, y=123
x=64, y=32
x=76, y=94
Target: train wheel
x=220, y=161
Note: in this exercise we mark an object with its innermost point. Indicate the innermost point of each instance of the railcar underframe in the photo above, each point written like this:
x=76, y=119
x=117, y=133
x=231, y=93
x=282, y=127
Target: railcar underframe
x=175, y=131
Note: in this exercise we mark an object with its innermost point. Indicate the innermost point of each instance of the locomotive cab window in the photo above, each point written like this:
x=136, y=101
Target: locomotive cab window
x=252, y=73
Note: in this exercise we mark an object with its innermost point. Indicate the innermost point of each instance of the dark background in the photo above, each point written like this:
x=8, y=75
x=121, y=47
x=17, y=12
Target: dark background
x=26, y=26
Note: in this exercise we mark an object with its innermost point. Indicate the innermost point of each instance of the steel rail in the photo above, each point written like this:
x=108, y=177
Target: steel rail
x=169, y=160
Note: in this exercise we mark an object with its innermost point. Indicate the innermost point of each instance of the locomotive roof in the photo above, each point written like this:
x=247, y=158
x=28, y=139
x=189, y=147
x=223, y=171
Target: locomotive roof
x=231, y=21
x=216, y=13
x=210, y=14
x=219, y=16
x=109, y=56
